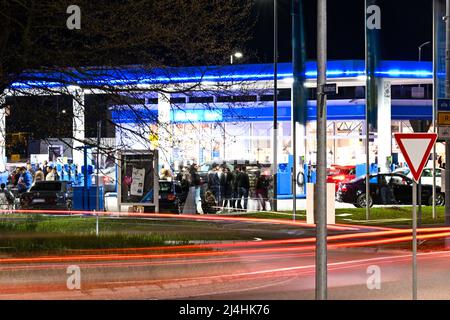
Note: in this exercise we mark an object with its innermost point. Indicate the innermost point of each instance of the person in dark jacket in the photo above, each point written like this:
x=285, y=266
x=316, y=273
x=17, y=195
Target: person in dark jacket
x=222, y=173
x=179, y=176
x=214, y=182
x=262, y=190
x=236, y=175
x=196, y=183
x=44, y=168
x=243, y=185
x=441, y=162
x=228, y=187
x=15, y=176
x=55, y=174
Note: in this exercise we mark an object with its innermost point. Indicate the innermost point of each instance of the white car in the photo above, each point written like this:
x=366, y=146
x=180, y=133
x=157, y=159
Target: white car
x=427, y=175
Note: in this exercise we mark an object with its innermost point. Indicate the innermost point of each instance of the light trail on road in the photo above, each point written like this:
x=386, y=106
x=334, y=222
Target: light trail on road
x=104, y=257
x=196, y=264
x=207, y=280
x=267, y=242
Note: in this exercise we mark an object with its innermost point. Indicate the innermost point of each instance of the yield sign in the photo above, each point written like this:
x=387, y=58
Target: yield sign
x=416, y=148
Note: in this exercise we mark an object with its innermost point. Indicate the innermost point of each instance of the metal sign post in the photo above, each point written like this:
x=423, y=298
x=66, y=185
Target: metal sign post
x=416, y=148
x=414, y=242
x=320, y=193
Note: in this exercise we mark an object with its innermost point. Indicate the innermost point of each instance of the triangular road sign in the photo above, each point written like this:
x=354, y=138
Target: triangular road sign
x=416, y=148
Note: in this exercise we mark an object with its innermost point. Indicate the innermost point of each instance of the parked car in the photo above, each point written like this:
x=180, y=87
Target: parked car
x=337, y=174
x=389, y=188
x=171, y=196
x=48, y=195
x=427, y=175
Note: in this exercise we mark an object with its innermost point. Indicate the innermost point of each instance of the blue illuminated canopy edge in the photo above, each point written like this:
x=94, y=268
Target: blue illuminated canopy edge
x=138, y=75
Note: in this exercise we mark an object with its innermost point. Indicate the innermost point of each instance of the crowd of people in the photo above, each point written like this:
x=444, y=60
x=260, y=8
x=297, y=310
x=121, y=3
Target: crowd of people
x=23, y=178
x=221, y=190
x=230, y=189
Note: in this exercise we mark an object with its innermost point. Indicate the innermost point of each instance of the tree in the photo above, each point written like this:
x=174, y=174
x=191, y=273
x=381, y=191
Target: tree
x=34, y=34
x=36, y=45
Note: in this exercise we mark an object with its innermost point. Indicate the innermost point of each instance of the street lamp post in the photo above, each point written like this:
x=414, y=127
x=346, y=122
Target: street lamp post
x=420, y=49
x=434, y=165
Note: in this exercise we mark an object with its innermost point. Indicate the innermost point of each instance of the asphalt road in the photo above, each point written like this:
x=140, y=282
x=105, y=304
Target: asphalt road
x=257, y=270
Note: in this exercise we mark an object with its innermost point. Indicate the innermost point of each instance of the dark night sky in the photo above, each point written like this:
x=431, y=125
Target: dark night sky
x=405, y=25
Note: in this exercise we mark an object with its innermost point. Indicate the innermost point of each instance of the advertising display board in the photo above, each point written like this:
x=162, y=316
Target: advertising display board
x=138, y=183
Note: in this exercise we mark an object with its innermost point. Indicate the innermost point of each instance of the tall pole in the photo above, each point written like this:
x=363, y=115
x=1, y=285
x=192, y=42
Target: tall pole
x=414, y=242
x=447, y=94
x=320, y=194
x=299, y=95
x=275, y=105
x=420, y=179
x=367, y=126
x=420, y=49
x=97, y=198
x=436, y=23
x=433, y=208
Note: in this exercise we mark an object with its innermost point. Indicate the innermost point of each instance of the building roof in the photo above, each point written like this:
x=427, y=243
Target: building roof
x=138, y=75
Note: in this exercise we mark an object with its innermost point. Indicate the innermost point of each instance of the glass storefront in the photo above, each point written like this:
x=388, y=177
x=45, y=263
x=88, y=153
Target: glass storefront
x=203, y=142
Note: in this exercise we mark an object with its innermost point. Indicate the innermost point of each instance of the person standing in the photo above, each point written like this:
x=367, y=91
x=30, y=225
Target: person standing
x=228, y=187
x=441, y=162
x=179, y=176
x=243, y=188
x=55, y=174
x=214, y=182
x=50, y=174
x=16, y=176
x=196, y=183
x=262, y=188
x=222, y=181
x=30, y=169
x=45, y=167
x=236, y=178
x=39, y=175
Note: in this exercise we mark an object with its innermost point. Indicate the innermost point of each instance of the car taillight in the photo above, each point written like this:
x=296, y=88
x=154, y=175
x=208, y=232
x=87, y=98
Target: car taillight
x=339, y=178
x=171, y=197
x=343, y=187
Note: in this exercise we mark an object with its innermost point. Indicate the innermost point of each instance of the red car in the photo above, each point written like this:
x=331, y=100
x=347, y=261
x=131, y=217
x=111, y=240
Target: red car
x=337, y=174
